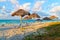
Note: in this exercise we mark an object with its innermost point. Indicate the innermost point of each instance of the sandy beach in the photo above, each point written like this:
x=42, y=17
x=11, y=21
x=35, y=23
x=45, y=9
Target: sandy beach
x=10, y=33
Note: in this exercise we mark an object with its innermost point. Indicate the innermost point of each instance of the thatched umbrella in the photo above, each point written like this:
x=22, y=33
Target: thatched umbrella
x=53, y=17
x=27, y=17
x=46, y=18
x=34, y=15
x=21, y=13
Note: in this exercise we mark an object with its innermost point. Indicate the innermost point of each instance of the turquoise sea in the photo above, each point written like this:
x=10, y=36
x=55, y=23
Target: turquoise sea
x=15, y=21
x=24, y=21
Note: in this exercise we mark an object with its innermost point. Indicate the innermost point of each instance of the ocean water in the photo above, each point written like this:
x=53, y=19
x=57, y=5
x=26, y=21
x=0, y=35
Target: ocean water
x=24, y=21
x=51, y=20
x=15, y=21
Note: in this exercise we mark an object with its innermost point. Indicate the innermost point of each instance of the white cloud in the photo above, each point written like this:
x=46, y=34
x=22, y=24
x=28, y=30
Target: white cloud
x=37, y=6
x=25, y=6
x=9, y=17
x=15, y=4
x=3, y=11
x=14, y=1
x=1, y=14
x=55, y=11
x=2, y=0
x=3, y=8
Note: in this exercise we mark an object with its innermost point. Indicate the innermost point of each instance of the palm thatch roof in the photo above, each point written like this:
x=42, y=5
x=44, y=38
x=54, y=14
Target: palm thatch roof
x=53, y=17
x=46, y=18
x=34, y=15
x=27, y=17
x=20, y=12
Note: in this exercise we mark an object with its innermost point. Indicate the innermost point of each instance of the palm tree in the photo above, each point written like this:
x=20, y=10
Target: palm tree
x=21, y=13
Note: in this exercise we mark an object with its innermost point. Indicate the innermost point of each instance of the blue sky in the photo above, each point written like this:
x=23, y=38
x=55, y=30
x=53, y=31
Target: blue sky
x=42, y=7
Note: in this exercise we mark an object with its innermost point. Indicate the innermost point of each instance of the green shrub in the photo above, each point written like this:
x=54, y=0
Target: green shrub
x=51, y=31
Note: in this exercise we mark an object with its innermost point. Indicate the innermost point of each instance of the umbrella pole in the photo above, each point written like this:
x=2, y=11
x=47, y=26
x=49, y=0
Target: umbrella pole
x=21, y=21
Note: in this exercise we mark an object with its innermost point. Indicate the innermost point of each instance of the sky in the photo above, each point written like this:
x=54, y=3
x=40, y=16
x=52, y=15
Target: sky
x=42, y=7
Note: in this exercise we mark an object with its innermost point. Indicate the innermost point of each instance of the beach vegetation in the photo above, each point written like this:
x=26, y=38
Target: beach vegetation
x=51, y=32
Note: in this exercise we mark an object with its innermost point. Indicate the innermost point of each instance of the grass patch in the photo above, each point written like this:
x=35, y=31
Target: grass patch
x=53, y=31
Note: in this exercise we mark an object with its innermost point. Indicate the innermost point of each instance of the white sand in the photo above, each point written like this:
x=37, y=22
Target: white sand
x=18, y=33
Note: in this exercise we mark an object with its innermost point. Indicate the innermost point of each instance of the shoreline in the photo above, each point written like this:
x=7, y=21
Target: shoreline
x=7, y=33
